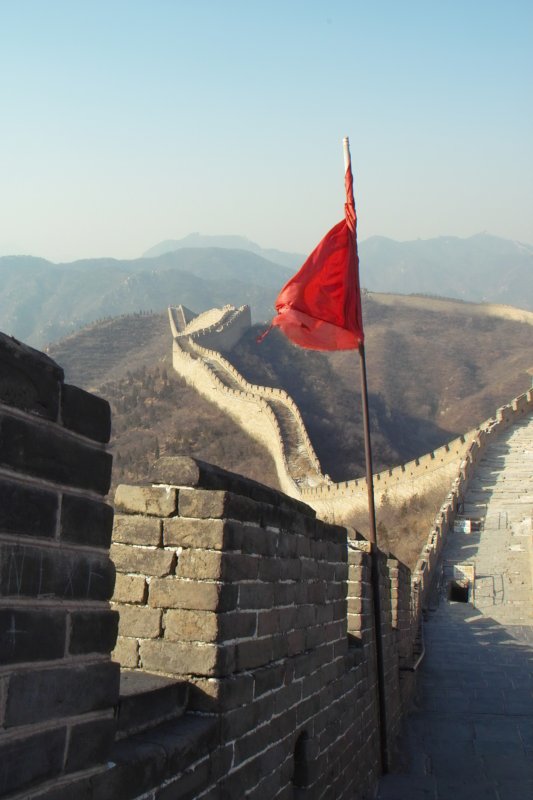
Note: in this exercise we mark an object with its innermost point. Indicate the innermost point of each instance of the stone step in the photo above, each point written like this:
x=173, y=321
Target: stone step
x=147, y=700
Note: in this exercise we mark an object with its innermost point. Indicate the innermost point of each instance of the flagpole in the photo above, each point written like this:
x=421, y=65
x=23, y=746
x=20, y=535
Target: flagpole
x=372, y=538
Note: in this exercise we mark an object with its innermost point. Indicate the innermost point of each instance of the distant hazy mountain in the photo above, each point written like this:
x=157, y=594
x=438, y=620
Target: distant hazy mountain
x=291, y=260
x=41, y=301
x=481, y=268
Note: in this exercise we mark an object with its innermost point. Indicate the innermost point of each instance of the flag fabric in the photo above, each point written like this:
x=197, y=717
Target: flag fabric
x=320, y=307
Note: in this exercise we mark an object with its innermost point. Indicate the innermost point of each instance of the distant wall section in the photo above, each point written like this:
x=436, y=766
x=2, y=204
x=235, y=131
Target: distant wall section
x=197, y=357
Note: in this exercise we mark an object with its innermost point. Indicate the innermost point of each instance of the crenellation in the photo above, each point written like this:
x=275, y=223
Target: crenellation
x=56, y=625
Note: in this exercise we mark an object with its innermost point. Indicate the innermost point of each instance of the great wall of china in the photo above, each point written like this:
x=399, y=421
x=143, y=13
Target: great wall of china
x=272, y=417
x=233, y=654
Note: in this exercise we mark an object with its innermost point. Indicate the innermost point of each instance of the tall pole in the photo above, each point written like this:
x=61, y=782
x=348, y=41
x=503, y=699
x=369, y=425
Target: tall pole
x=380, y=665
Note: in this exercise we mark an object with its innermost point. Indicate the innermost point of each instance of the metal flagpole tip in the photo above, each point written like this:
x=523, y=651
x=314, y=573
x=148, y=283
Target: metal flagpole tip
x=346, y=147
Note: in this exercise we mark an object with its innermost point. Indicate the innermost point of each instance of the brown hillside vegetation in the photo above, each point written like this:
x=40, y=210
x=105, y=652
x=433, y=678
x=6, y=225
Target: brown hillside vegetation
x=435, y=369
x=127, y=360
x=433, y=374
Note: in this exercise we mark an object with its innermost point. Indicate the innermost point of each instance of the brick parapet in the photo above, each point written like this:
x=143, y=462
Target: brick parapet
x=268, y=393
x=57, y=630
x=266, y=612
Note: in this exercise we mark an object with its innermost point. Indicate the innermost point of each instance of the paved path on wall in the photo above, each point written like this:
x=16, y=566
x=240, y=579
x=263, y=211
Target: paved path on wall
x=470, y=736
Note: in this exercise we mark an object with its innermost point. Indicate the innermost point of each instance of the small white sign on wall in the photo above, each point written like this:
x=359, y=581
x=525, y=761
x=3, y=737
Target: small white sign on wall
x=462, y=526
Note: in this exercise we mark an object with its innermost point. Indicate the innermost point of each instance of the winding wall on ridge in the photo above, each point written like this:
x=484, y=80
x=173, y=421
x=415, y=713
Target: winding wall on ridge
x=272, y=417
x=269, y=415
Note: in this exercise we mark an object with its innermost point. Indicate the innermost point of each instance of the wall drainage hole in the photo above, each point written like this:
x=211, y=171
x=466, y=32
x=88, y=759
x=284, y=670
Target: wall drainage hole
x=458, y=592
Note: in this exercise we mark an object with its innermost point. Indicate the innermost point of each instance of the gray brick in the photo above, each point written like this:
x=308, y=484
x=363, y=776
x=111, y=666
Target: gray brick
x=144, y=560
x=216, y=505
x=210, y=534
x=90, y=743
x=210, y=565
x=27, y=571
x=157, y=501
x=85, y=413
x=256, y=595
x=93, y=631
x=208, y=626
x=180, y=658
x=126, y=652
x=137, y=529
x=46, y=452
x=61, y=692
x=254, y=653
x=26, y=510
x=32, y=758
x=130, y=589
x=31, y=635
x=221, y=694
x=85, y=521
x=140, y=621
x=30, y=380
x=203, y=596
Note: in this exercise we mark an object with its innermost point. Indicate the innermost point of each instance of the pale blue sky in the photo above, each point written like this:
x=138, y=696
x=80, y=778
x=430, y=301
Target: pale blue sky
x=125, y=123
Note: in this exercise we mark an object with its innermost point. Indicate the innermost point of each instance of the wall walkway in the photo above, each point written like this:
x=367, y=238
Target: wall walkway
x=473, y=724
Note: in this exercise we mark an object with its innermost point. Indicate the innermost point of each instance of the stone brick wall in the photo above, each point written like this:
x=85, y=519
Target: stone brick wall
x=58, y=685
x=267, y=614
x=220, y=328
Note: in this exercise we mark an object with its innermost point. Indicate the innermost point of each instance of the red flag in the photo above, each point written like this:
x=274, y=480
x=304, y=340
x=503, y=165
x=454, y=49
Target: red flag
x=320, y=307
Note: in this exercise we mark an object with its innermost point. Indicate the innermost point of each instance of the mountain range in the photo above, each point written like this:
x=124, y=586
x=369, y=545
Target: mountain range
x=436, y=369
x=42, y=301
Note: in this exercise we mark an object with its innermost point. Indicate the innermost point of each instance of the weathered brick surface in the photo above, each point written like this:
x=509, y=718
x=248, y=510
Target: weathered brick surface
x=49, y=453
x=208, y=565
x=90, y=743
x=137, y=529
x=221, y=694
x=216, y=505
x=85, y=413
x=145, y=560
x=31, y=634
x=60, y=692
x=28, y=759
x=58, y=686
x=92, y=631
x=29, y=380
x=85, y=521
x=30, y=571
x=126, y=652
x=191, y=472
x=175, y=593
x=181, y=659
x=130, y=588
x=27, y=511
x=145, y=623
x=208, y=626
x=212, y=534
x=154, y=501
x=269, y=619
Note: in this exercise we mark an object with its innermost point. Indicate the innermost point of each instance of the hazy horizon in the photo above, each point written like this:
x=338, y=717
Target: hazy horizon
x=261, y=247
x=128, y=122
